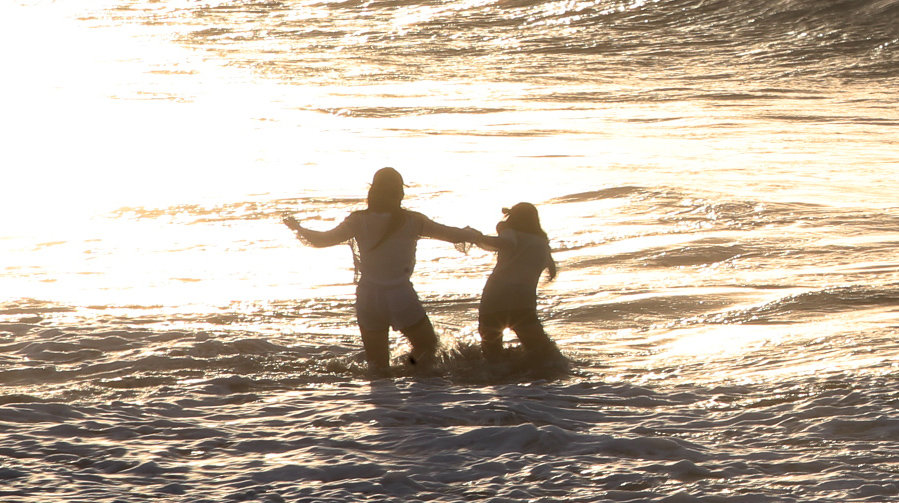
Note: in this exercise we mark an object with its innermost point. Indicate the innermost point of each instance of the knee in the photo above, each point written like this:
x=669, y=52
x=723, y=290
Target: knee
x=421, y=334
x=533, y=337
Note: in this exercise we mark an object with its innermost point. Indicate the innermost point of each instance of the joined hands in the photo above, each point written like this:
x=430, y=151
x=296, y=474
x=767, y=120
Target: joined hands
x=292, y=223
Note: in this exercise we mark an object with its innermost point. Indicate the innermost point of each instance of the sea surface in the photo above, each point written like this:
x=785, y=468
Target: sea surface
x=718, y=179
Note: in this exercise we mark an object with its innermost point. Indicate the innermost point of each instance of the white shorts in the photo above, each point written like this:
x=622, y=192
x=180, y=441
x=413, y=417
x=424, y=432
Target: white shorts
x=379, y=307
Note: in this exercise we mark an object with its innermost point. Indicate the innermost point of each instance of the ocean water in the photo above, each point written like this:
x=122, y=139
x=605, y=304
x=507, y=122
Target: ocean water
x=718, y=180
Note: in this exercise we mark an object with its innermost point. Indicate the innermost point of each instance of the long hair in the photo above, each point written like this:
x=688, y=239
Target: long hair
x=523, y=217
x=386, y=196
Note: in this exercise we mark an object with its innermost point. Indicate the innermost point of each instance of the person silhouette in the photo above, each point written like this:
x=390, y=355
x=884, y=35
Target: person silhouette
x=384, y=238
x=509, y=299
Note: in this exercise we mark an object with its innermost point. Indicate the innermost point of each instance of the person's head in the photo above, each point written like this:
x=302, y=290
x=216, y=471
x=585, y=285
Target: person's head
x=386, y=191
x=523, y=217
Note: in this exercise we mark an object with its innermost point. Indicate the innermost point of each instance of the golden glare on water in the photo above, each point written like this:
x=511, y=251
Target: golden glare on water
x=122, y=117
x=97, y=120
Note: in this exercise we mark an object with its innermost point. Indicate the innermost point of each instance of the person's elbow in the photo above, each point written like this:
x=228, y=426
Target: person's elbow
x=321, y=241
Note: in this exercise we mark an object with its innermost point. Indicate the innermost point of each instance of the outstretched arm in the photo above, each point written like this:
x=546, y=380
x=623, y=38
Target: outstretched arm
x=501, y=240
x=432, y=229
x=320, y=239
x=491, y=243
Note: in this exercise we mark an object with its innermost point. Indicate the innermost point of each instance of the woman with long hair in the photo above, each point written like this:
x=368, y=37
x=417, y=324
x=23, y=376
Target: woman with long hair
x=384, y=237
x=510, y=294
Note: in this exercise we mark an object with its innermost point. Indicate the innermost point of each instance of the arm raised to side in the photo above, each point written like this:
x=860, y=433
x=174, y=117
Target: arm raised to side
x=320, y=239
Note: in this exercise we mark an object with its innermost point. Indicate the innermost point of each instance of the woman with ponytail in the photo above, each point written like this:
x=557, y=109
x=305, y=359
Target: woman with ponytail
x=510, y=294
x=384, y=238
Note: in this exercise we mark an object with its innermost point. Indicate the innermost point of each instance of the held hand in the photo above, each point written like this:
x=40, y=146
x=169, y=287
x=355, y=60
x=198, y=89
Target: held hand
x=292, y=223
x=476, y=235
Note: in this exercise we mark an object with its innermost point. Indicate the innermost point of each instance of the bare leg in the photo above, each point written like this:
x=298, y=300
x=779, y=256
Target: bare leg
x=534, y=339
x=377, y=349
x=424, y=342
x=491, y=338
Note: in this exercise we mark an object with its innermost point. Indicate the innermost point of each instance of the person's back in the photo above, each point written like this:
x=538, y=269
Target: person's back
x=384, y=250
x=520, y=261
x=509, y=299
x=384, y=260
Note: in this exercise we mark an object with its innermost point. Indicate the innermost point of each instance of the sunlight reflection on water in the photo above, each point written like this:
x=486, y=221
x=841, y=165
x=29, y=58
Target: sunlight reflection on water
x=726, y=240
x=119, y=116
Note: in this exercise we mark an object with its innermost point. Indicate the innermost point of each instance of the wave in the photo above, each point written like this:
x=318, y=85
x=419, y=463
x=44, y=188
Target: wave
x=651, y=311
x=593, y=195
x=399, y=40
x=844, y=38
x=673, y=28
x=648, y=310
x=815, y=304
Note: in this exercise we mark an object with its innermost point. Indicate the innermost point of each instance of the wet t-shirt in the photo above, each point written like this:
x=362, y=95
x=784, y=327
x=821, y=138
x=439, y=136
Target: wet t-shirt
x=390, y=261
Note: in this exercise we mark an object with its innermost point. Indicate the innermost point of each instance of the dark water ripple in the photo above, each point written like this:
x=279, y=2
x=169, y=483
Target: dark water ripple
x=428, y=439
x=114, y=411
